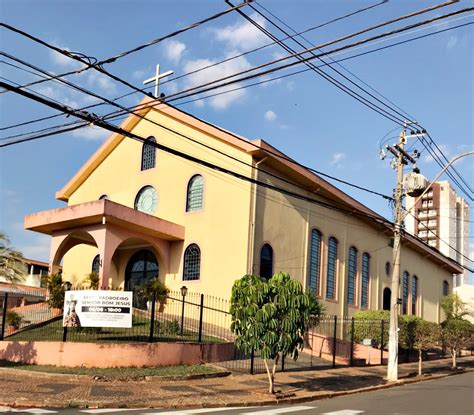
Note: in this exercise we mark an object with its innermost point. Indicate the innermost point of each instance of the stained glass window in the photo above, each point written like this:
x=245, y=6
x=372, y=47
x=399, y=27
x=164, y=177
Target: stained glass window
x=314, y=262
x=332, y=265
x=364, y=297
x=266, y=261
x=351, y=275
x=148, y=154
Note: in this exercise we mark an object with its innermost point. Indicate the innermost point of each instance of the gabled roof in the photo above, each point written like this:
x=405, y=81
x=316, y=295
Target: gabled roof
x=259, y=149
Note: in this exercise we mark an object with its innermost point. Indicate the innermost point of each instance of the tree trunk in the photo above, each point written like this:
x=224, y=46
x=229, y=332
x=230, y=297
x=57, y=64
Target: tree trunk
x=453, y=354
x=271, y=375
x=420, y=358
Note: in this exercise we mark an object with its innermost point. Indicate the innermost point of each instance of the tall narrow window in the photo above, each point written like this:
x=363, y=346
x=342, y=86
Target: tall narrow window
x=332, y=265
x=192, y=263
x=414, y=294
x=314, y=262
x=96, y=264
x=405, y=293
x=445, y=288
x=266, y=261
x=194, y=194
x=364, y=295
x=351, y=275
x=148, y=153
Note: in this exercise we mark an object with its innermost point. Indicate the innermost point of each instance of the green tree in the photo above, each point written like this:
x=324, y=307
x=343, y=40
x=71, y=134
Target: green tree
x=55, y=291
x=457, y=333
x=407, y=326
x=426, y=336
x=12, y=262
x=454, y=307
x=269, y=316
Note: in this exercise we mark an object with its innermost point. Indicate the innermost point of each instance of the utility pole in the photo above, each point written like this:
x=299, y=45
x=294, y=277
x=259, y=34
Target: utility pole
x=402, y=158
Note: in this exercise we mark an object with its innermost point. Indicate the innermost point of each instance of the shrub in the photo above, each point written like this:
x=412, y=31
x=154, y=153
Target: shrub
x=408, y=329
x=368, y=325
x=13, y=319
x=167, y=327
x=159, y=288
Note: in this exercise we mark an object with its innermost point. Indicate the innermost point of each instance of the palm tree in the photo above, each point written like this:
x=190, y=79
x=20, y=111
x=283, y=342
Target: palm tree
x=12, y=263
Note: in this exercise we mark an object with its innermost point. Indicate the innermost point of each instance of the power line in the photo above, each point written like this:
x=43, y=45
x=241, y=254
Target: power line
x=94, y=64
x=320, y=72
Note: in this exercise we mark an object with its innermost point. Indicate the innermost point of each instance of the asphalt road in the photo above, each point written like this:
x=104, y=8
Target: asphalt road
x=448, y=396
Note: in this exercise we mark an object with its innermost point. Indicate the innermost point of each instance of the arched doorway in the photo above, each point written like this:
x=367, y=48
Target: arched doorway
x=387, y=296
x=141, y=268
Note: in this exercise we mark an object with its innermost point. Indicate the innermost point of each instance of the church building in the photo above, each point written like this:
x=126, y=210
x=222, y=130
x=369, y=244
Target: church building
x=200, y=206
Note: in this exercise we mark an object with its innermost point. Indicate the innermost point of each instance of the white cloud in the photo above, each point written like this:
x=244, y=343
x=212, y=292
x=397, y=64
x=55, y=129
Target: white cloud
x=214, y=73
x=174, y=50
x=91, y=133
x=139, y=74
x=270, y=116
x=101, y=81
x=443, y=147
x=337, y=158
x=452, y=42
x=242, y=35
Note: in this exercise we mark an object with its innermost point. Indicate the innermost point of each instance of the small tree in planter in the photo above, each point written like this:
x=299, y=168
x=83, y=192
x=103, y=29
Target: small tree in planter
x=93, y=280
x=13, y=320
x=457, y=333
x=161, y=292
x=55, y=292
x=426, y=336
x=270, y=317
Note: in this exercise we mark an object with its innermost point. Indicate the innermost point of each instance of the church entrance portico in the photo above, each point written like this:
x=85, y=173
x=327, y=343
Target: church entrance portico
x=132, y=246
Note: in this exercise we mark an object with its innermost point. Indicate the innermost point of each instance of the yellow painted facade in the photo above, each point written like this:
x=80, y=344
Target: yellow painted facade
x=238, y=217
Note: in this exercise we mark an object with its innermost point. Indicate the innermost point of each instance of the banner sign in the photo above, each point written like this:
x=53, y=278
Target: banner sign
x=96, y=308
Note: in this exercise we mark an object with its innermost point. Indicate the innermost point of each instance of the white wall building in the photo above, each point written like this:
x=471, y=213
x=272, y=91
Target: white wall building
x=441, y=219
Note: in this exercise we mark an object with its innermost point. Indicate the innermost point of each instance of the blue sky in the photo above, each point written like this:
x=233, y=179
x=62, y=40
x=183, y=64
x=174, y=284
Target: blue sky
x=303, y=115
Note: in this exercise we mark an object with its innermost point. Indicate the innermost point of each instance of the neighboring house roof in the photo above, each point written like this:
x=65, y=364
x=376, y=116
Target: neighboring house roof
x=259, y=149
x=22, y=290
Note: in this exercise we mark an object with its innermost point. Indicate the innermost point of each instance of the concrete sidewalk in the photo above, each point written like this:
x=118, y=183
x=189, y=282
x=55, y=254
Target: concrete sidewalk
x=23, y=388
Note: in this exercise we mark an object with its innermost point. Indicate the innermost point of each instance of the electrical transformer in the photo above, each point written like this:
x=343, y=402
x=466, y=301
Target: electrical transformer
x=415, y=184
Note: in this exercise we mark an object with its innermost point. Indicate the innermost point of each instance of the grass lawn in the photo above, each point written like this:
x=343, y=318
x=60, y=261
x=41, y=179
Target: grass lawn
x=127, y=373
x=140, y=331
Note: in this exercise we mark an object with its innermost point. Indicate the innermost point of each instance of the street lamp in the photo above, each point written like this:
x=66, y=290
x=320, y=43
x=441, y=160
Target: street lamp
x=67, y=286
x=184, y=291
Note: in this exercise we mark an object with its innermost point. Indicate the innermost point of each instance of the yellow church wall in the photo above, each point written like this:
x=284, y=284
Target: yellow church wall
x=220, y=228
x=285, y=222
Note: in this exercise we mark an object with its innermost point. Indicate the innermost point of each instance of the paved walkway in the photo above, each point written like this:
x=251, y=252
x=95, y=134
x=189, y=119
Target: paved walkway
x=30, y=389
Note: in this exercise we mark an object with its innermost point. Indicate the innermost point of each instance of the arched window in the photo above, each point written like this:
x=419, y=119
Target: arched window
x=194, y=193
x=266, y=261
x=387, y=269
x=364, y=295
x=146, y=200
x=414, y=294
x=314, y=262
x=405, y=293
x=387, y=297
x=445, y=288
x=351, y=275
x=332, y=265
x=104, y=196
x=148, y=154
x=141, y=268
x=96, y=264
x=192, y=263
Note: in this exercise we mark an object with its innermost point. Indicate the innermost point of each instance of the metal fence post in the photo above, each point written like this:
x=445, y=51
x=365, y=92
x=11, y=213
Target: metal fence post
x=352, y=342
x=4, y=316
x=252, y=357
x=201, y=312
x=152, y=319
x=64, y=333
x=334, y=343
x=382, y=324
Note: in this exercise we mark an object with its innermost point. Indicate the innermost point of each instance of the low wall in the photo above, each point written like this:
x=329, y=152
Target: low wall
x=322, y=346
x=105, y=355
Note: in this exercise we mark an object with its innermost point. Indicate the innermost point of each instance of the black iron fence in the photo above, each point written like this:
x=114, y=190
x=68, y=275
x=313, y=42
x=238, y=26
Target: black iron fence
x=329, y=342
